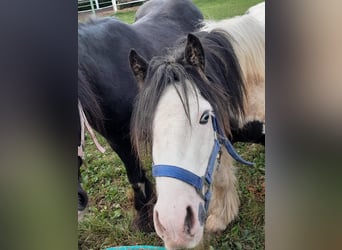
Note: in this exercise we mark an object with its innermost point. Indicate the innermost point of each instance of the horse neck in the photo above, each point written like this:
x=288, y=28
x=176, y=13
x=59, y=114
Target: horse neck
x=250, y=51
x=248, y=40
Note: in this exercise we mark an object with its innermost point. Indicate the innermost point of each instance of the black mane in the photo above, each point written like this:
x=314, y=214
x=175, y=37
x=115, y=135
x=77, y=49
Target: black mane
x=221, y=85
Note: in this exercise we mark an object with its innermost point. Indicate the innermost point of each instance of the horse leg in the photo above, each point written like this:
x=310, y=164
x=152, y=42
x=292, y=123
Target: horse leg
x=254, y=125
x=82, y=195
x=144, y=197
x=225, y=202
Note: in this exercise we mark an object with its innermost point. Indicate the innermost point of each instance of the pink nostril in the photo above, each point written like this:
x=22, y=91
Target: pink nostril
x=159, y=227
x=189, y=221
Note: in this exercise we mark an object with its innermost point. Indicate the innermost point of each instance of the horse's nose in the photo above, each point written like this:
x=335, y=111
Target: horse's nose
x=165, y=229
x=189, y=221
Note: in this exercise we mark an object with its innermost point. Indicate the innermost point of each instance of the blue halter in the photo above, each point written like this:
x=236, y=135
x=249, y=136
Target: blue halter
x=214, y=160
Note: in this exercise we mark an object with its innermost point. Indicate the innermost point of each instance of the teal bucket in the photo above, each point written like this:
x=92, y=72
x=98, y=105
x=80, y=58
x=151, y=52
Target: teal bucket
x=136, y=248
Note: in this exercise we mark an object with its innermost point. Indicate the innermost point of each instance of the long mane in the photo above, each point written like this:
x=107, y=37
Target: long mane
x=222, y=85
x=247, y=37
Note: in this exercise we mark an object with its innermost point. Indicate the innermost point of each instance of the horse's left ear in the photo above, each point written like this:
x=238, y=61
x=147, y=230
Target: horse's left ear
x=139, y=67
x=194, y=53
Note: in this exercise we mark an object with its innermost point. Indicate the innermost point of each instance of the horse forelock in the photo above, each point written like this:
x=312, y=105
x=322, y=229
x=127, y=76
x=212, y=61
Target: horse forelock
x=221, y=85
x=162, y=73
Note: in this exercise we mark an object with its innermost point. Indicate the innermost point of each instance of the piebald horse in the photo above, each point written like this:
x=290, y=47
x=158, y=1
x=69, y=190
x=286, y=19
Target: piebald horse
x=191, y=99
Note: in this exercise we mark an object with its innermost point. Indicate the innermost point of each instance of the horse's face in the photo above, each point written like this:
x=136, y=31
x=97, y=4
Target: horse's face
x=180, y=138
x=179, y=211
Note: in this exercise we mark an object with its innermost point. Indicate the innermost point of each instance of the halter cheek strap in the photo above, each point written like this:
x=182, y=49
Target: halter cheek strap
x=202, y=185
x=227, y=144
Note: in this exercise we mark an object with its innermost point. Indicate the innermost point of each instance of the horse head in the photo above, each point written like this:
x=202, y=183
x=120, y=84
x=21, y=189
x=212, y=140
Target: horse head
x=182, y=119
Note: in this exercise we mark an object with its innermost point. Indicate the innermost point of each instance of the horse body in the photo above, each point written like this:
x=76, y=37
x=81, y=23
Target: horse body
x=258, y=12
x=213, y=78
x=107, y=88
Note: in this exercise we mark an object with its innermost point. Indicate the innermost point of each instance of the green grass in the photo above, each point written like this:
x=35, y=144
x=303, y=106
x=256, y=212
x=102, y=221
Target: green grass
x=126, y=15
x=221, y=9
x=211, y=9
x=108, y=222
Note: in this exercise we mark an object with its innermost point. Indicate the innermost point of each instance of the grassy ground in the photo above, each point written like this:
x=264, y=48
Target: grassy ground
x=211, y=9
x=108, y=222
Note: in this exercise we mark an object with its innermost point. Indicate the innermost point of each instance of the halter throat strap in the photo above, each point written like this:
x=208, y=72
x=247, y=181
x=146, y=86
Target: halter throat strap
x=222, y=138
x=202, y=185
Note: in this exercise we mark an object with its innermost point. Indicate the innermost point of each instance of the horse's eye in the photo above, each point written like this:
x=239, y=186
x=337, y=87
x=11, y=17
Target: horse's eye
x=205, y=117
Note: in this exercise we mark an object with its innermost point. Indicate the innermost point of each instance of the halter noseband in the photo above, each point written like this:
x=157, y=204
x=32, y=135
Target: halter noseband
x=204, y=183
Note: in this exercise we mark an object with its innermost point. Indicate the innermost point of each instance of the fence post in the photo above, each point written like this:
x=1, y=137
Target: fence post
x=114, y=5
x=97, y=4
x=92, y=7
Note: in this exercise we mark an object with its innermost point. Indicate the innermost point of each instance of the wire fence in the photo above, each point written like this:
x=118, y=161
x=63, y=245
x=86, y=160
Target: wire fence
x=94, y=5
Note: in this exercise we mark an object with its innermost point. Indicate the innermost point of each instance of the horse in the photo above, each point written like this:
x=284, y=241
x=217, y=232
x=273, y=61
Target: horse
x=107, y=87
x=190, y=100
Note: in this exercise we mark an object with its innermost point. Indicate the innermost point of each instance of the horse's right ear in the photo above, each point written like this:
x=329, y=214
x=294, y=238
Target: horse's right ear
x=139, y=67
x=194, y=53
